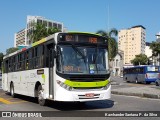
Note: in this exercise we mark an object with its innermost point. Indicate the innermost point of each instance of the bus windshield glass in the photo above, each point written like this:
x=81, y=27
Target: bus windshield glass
x=152, y=69
x=82, y=60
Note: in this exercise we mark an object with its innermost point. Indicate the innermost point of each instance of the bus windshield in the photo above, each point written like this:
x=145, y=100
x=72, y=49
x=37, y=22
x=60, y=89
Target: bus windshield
x=82, y=60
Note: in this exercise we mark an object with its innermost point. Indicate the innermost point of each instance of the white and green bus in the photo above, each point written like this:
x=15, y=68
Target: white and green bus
x=70, y=66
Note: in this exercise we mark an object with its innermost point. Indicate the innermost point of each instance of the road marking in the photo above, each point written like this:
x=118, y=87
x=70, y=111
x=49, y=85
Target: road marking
x=9, y=102
x=18, y=102
x=5, y=101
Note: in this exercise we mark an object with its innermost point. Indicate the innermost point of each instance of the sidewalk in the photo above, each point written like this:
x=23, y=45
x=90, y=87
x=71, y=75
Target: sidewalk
x=143, y=91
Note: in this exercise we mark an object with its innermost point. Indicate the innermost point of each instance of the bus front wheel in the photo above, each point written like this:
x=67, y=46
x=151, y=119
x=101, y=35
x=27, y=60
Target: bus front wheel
x=12, y=90
x=41, y=99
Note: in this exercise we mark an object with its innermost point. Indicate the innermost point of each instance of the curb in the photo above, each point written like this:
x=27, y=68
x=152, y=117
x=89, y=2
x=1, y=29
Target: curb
x=136, y=94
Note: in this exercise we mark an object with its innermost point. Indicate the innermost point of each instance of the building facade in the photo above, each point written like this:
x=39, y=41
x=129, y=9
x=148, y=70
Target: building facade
x=132, y=42
x=148, y=51
x=19, y=38
x=116, y=65
x=24, y=34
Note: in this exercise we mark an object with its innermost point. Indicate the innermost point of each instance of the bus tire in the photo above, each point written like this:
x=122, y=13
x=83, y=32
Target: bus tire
x=12, y=90
x=157, y=84
x=127, y=80
x=136, y=81
x=148, y=82
x=41, y=99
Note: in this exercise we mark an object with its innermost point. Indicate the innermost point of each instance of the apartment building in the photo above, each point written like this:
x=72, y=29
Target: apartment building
x=19, y=38
x=22, y=37
x=132, y=42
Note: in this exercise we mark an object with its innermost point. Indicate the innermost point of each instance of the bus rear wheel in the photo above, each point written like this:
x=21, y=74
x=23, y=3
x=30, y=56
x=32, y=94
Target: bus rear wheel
x=157, y=84
x=41, y=99
x=136, y=81
x=12, y=90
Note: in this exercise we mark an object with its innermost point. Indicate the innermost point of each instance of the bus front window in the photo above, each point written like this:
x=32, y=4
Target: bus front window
x=82, y=60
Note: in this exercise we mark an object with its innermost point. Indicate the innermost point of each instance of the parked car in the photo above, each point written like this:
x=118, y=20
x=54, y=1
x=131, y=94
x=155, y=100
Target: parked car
x=157, y=82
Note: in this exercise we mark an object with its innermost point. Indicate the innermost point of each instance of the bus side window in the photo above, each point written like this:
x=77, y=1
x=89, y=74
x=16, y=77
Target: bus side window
x=6, y=66
x=41, y=55
x=30, y=59
x=16, y=62
x=13, y=63
x=36, y=62
x=26, y=61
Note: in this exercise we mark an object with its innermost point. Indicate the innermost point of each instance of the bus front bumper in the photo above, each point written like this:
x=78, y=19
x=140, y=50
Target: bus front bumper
x=82, y=95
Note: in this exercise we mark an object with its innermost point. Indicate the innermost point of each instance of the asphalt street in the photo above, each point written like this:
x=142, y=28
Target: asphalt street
x=116, y=103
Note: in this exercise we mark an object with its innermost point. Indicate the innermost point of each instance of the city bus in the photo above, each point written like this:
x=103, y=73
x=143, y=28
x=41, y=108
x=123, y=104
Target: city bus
x=71, y=66
x=141, y=74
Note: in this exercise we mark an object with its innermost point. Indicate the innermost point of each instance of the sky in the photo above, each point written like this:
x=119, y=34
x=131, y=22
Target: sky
x=80, y=15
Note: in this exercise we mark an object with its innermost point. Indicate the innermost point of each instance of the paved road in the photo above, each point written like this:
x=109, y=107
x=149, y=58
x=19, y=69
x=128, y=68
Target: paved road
x=116, y=103
x=121, y=87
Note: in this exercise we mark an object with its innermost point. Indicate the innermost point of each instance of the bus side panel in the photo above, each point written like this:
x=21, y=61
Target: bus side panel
x=24, y=81
x=31, y=78
x=14, y=77
x=130, y=77
x=5, y=81
x=45, y=79
x=141, y=78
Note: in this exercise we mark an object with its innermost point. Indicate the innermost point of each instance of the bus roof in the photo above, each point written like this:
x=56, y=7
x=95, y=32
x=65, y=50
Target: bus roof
x=46, y=39
x=139, y=66
x=85, y=33
x=32, y=45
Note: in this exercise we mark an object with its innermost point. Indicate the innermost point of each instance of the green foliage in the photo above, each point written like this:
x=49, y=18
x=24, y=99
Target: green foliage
x=1, y=58
x=11, y=50
x=155, y=46
x=140, y=59
x=41, y=31
x=112, y=43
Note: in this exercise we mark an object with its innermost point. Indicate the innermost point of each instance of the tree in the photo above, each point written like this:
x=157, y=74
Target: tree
x=112, y=43
x=1, y=58
x=11, y=50
x=155, y=46
x=140, y=59
x=41, y=31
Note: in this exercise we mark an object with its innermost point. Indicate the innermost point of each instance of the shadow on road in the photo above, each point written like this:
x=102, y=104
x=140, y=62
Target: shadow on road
x=69, y=106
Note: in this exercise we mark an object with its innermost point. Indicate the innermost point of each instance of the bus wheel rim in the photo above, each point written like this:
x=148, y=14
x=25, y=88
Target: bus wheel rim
x=12, y=91
x=40, y=96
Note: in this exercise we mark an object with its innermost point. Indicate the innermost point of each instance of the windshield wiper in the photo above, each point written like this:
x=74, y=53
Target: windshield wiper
x=78, y=51
x=95, y=60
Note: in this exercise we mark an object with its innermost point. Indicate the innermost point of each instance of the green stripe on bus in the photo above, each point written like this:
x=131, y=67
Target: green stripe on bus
x=44, y=77
x=39, y=42
x=86, y=84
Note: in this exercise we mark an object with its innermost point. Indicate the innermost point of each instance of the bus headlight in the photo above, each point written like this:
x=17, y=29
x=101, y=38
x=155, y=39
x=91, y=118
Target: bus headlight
x=63, y=85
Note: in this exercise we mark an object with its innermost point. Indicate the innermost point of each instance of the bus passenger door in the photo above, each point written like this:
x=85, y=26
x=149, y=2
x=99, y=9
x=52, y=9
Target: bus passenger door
x=51, y=73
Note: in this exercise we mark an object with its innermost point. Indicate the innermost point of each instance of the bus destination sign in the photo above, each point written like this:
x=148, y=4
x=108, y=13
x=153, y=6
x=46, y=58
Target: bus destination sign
x=82, y=38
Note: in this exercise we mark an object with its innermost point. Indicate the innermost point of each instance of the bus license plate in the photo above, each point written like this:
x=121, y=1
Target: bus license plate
x=90, y=95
